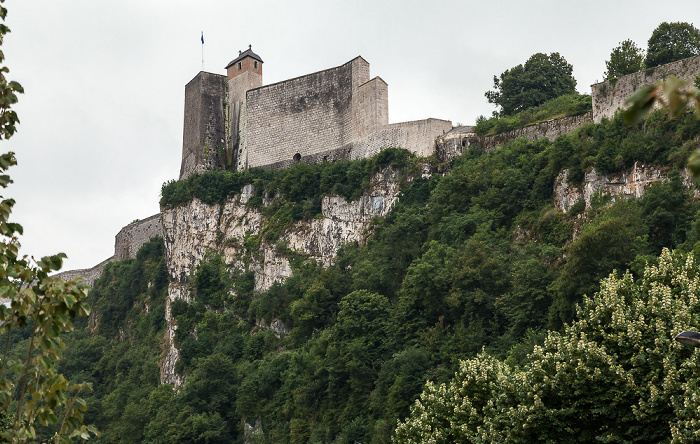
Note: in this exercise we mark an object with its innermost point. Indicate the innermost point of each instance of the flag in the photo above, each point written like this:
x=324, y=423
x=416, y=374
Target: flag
x=202, y=38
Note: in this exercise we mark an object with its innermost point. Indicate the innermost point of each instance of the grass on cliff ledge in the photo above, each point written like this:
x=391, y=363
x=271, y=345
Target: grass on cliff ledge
x=302, y=186
x=563, y=106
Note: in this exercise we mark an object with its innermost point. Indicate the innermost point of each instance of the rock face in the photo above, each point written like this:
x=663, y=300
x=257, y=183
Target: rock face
x=190, y=231
x=631, y=183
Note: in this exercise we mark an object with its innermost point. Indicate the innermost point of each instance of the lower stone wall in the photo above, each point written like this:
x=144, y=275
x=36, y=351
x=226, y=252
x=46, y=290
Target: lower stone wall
x=128, y=241
x=609, y=96
x=460, y=139
x=88, y=275
x=327, y=156
x=417, y=136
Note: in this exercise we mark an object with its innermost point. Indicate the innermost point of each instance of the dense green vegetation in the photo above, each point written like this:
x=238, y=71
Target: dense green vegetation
x=626, y=58
x=566, y=105
x=543, y=77
x=302, y=185
x=672, y=41
x=118, y=350
x=475, y=260
x=615, y=375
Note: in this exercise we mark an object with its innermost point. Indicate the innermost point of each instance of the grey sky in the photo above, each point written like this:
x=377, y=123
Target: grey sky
x=101, y=119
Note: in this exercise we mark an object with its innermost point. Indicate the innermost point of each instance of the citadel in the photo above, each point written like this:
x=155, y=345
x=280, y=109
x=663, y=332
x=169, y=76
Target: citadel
x=234, y=122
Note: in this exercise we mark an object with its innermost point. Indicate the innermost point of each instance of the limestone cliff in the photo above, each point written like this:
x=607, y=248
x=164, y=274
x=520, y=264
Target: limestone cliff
x=631, y=183
x=190, y=231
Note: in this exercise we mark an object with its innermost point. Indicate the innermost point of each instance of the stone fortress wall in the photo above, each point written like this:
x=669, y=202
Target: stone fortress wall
x=607, y=97
x=130, y=238
x=303, y=116
x=460, y=139
x=87, y=275
x=205, y=120
x=339, y=113
x=126, y=244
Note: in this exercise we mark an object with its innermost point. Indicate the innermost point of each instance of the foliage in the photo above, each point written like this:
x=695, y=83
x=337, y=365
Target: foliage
x=615, y=375
x=626, y=58
x=473, y=262
x=32, y=392
x=672, y=41
x=543, y=77
x=563, y=106
x=302, y=185
x=120, y=349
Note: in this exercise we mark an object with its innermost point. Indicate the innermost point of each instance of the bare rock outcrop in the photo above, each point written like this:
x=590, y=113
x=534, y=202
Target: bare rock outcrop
x=631, y=183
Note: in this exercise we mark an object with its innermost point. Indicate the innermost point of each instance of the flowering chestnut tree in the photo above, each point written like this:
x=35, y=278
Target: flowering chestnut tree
x=615, y=375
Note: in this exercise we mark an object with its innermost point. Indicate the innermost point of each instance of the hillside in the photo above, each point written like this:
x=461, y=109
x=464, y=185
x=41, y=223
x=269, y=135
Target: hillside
x=472, y=256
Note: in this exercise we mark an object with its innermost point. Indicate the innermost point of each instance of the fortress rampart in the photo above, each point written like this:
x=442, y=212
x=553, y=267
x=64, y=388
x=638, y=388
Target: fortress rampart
x=87, y=275
x=609, y=96
x=126, y=244
x=130, y=238
x=460, y=139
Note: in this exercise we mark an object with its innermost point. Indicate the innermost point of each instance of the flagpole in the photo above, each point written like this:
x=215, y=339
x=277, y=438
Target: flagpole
x=202, y=50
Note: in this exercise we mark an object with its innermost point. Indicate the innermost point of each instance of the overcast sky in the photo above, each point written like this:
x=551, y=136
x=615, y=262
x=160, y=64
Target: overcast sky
x=102, y=113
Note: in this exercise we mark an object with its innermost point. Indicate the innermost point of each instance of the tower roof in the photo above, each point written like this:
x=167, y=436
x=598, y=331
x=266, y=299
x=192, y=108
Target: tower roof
x=242, y=55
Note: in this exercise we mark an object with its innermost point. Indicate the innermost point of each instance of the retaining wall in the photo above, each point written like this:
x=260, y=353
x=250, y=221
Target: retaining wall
x=460, y=139
x=130, y=238
x=611, y=95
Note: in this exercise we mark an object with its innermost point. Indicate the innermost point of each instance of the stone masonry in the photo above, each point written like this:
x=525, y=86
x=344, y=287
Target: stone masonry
x=609, y=96
x=205, y=121
x=126, y=244
x=128, y=241
x=335, y=114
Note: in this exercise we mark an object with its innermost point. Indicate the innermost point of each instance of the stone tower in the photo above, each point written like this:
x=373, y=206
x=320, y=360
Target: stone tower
x=204, y=133
x=215, y=116
x=243, y=73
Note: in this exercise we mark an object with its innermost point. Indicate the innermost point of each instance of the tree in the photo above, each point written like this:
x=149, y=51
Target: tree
x=32, y=392
x=624, y=59
x=672, y=41
x=543, y=77
x=614, y=375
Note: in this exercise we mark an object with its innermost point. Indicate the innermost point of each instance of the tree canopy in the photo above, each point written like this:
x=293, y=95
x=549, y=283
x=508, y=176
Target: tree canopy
x=672, y=41
x=625, y=59
x=541, y=78
x=615, y=375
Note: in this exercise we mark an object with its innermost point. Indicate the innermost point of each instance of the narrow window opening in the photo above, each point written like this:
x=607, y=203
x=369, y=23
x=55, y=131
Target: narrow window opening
x=239, y=66
x=256, y=64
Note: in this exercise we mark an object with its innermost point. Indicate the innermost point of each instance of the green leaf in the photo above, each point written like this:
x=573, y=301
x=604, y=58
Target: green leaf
x=641, y=102
x=46, y=362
